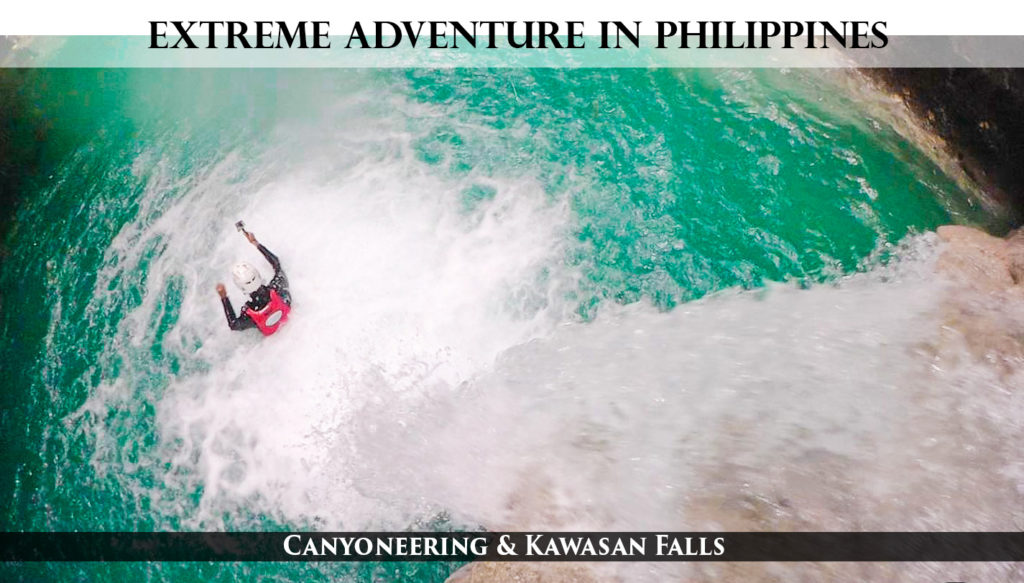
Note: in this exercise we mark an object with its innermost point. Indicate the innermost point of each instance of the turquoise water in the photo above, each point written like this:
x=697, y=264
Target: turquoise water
x=433, y=224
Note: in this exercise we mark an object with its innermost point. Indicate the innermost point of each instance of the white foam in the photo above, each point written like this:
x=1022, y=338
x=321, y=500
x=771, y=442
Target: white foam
x=400, y=292
x=827, y=403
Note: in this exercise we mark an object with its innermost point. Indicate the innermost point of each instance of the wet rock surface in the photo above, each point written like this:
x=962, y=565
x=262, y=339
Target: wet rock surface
x=985, y=306
x=980, y=322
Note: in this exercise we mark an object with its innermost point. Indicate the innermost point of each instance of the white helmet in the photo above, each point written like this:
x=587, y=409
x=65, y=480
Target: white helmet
x=246, y=277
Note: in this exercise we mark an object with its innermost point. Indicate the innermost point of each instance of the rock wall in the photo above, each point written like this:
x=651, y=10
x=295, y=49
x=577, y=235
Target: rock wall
x=980, y=115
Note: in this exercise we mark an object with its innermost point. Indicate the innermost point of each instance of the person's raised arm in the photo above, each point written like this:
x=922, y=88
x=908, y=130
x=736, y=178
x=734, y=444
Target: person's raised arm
x=270, y=257
x=242, y=321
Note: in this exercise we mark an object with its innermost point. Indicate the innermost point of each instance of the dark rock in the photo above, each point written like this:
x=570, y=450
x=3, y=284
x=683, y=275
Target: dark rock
x=979, y=113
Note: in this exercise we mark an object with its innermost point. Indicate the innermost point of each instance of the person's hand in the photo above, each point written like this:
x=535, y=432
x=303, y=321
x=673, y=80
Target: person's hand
x=221, y=291
x=251, y=238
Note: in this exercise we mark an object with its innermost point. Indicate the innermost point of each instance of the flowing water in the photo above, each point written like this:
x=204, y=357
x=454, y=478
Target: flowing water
x=534, y=299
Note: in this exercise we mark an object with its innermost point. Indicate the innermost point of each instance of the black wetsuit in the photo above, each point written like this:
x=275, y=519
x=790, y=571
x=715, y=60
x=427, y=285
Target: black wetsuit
x=261, y=296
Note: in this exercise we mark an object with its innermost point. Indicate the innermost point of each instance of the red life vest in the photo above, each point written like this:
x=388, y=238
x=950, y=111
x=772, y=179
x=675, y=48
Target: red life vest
x=271, y=316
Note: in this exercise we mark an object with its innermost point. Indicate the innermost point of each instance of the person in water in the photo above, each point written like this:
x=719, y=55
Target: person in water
x=268, y=305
